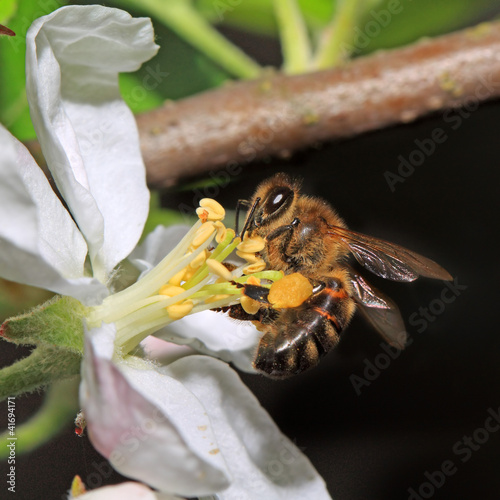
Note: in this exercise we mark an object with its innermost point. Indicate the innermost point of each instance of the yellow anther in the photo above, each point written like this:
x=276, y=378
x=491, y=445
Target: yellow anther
x=221, y=231
x=219, y=269
x=252, y=245
x=178, y=311
x=203, y=234
x=249, y=257
x=199, y=260
x=189, y=273
x=252, y=280
x=171, y=290
x=249, y=305
x=210, y=209
x=290, y=291
x=177, y=278
x=215, y=298
x=255, y=268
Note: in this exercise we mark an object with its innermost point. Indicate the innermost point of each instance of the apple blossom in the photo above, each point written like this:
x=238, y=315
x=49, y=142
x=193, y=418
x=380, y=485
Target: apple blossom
x=190, y=427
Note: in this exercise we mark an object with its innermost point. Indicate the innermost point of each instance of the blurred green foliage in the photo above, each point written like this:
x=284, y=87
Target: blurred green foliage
x=416, y=18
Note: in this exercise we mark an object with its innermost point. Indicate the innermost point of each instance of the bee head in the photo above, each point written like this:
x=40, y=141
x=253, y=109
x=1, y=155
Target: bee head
x=272, y=204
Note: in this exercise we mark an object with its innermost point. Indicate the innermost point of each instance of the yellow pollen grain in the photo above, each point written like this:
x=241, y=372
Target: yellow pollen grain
x=249, y=257
x=219, y=269
x=255, y=268
x=252, y=245
x=249, y=305
x=202, y=234
x=199, y=260
x=210, y=209
x=189, y=273
x=221, y=231
x=178, y=311
x=290, y=291
x=171, y=290
x=177, y=278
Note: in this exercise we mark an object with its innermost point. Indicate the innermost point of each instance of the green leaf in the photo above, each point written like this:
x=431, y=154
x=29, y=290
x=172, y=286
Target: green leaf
x=189, y=71
x=395, y=23
x=139, y=90
x=14, y=112
x=7, y=8
x=258, y=15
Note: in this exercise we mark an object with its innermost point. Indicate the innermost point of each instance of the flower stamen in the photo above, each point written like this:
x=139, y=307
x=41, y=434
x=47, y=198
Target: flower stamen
x=210, y=209
x=190, y=279
x=219, y=269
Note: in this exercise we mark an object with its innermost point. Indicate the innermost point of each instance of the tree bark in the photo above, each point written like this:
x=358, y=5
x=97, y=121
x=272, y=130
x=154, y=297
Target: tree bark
x=278, y=114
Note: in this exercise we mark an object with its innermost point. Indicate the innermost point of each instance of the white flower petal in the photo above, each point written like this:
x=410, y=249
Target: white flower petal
x=216, y=334
x=263, y=462
x=147, y=424
x=87, y=133
x=157, y=244
x=164, y=352
x=40, y=244
x=126, y=491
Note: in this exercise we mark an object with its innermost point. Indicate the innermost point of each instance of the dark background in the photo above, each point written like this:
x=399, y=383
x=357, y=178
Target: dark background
x=415, y=414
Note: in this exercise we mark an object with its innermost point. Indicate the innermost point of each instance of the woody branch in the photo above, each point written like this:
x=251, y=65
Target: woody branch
x=279, y=114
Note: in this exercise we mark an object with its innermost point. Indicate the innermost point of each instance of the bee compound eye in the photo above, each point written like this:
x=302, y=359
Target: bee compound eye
x=277, y=198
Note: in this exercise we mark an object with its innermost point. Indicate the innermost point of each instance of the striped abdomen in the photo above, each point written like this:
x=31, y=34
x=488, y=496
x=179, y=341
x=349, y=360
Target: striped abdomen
x=297, y=339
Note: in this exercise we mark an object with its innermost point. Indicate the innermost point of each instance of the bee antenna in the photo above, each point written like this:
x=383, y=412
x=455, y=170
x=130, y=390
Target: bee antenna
x=250, y=217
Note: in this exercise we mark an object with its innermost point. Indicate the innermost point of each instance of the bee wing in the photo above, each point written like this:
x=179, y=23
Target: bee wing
x=380, y=311
x=386, y=259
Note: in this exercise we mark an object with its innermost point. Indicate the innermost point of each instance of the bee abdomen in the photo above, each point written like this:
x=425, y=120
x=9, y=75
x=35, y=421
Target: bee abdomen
x=301, y=336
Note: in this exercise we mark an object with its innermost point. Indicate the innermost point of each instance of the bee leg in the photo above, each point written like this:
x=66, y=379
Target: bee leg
x=288, y=229
x=257, y=292
x=264, y=315
x=283, y=229
x=237, y=312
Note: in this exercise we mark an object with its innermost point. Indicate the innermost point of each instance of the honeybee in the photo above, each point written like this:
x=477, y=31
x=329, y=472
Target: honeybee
x=305, y=235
